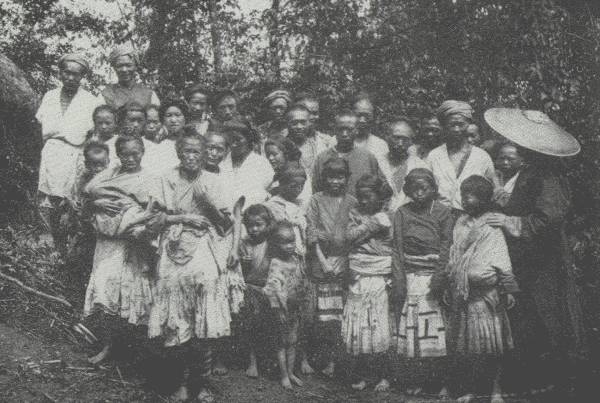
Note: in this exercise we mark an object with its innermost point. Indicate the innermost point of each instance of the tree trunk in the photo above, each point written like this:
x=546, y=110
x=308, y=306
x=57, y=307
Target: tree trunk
x=215, y=34
x=275, y=49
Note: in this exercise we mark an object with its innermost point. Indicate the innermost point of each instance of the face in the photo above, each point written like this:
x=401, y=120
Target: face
x=298, y=125
x=286, y=241
x=509, y=161
x=96, y=161
x=71, y=74
x=421, y=191
x=400, y=139
x=152, y=122
x=291, y=190
x=368, y=200
x=226, y=109
x=198, y=104
x=431, y=133
x=134, y=123
x=471, y=204
x=275, y=157
x=240, y=146
x=345, y=131
x=277, y=109
x=174, y=120
x=456, y=128
x=473, y=134
x=191, y=154
x=125, y=68
x=336, y=183
x=364, y=110
x=256, y=226
x=130, y=155
x=313, y=109
x=216, y=149
x=105, y=124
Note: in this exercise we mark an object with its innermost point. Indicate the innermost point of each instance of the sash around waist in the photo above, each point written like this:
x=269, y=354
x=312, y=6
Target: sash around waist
x=370, y=265
x=418, y=265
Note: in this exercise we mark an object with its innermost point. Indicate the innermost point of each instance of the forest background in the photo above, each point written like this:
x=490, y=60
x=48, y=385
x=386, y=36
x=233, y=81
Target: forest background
x=408, y=54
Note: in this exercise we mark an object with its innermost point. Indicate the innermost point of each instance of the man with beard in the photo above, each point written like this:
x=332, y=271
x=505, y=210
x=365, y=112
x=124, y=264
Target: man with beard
x=398, y=162
x=457, y=159
x=360, y=161
x=301, y=130
x=364, y=110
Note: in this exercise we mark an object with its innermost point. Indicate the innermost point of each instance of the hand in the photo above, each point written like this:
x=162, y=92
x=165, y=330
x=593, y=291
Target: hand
x=497, y=220
x=111, y=207
x=196, y=221
x=446, y=299
x=509, y=301
x=233, y=259
x=383, y=219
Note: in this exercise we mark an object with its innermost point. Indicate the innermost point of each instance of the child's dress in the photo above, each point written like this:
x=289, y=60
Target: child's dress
x=286, y=290
x=421, y=331
x=255, y=267
x=122, y=278
x=480, y=272
x=295, y=214
x=366, y=325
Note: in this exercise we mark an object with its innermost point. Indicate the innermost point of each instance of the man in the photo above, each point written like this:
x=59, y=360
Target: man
x=311, y=103
x=364, y=110
x=398, y=162
x=360, y=161
x=276, y=104
x=65, y=114
x=430, y=136
x=474, y=134
x=457, y=159
x=123, y=60
x=302, y=132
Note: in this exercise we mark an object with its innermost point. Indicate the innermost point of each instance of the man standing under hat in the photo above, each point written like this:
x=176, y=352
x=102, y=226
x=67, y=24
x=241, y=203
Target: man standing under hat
x=276, y=104
x=123, y=60
x=457, y=159
x=65, y=114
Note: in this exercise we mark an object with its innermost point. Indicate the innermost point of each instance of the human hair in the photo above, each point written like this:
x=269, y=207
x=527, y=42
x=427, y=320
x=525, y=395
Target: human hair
x=152, y=107
x=289, y=149
x=345, y=112
x=189, y=132
x=243, y=127
x=480, y=187
x=103, y=108
x=376, y=184
x=220, y=95
x=132, y=106
x=124, y=139
x=195, y=89
x=335, y=165
x=258, y=210
x=389, y=126
x=94, y=145
x=273, y=237
x=298, y=107
x=176, y=103
x=305, y=96
x=291, y=172
x=220, y=134
x=416, y=174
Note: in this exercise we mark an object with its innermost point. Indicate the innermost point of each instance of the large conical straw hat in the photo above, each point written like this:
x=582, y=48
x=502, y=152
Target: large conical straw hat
x=533, y=130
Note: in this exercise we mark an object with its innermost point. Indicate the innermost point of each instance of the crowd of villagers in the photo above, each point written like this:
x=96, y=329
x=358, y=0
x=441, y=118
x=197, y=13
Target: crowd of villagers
x=419, y=259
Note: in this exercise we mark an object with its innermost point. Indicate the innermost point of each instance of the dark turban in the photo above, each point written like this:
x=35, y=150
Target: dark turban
x=452, y=107
x=122, y=50
x=75, y=58
x=278, y=94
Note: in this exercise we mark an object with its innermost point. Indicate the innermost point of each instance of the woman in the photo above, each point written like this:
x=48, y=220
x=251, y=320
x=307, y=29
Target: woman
x=282, y=153
x=276, y=103
x=547, y=318
x=196, y=98
x=192, y=303
x=247, y=173
x=173, y=115
x=66, y=116
x=123, y=60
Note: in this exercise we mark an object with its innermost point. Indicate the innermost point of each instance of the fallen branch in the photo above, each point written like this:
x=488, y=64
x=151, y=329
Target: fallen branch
x=34, y=291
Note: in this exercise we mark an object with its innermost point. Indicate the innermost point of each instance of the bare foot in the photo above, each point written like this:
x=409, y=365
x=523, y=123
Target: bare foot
x=444, y=393
x=329, y=370
x=285, y=382
x=359, y=386
x=382, y=386
x=252, y=371
x=497, y=398
x=101, y=356
x=305, y=367
x=468, y=398
x=181, y=395
x=205, y=396
x=295, y=380
x=219, y=368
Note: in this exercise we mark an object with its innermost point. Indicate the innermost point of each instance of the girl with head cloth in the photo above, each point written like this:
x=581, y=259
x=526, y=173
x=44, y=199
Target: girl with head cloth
x=276, y=103
x=123, y=59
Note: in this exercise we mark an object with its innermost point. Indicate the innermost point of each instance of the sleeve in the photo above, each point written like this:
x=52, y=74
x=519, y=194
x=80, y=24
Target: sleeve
x=154, y=99
x=316, y=175
x=490, y=171
x=267, y=173
x=376, y=169
x=398, y=292
x=274, y=287
x=312, y=217
x=500, y=261
x=359, y=230
x=446, y=227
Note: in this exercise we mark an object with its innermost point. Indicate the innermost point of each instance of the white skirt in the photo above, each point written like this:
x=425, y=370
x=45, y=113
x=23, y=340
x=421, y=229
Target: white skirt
x=58, y=168
x=365, y=325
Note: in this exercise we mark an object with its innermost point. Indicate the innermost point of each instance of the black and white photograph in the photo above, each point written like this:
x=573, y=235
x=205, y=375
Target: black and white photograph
x=300, y=201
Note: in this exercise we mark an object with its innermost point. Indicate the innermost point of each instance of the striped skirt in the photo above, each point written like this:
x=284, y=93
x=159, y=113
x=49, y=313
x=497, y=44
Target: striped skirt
x=329, y=301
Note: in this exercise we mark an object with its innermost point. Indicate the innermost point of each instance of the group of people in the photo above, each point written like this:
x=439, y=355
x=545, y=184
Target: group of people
x=378, y=247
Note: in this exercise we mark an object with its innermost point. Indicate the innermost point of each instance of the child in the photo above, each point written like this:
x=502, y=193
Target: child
x=196, y=97
x=120, y=285
x=366, y=327
x=327, y=259
x=286, y=290
x=422, y=238
x=255, y=266
x=481, y=284
x=105, y=124
x=153, y=130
